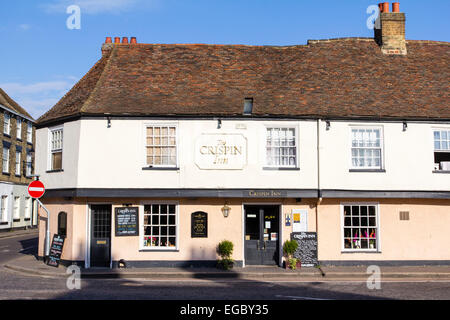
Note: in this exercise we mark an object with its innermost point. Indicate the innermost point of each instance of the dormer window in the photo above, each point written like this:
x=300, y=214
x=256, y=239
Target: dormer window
x=248, y=106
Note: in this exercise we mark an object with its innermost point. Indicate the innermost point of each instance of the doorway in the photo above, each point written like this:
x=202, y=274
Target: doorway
x=100, y=236
x=262, y=233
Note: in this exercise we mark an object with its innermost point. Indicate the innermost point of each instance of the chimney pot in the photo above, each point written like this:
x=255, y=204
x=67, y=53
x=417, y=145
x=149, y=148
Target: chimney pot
x=124, y=40
x=108, y=40
x=385, y=6
x=380, y=6
x=396, y=7
x=117, y=40
x=133, y=40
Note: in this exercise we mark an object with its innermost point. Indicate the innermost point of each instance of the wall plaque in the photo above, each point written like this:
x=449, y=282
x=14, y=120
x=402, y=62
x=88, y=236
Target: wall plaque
x=127, y=224
x=199, y=225
x=221, y=152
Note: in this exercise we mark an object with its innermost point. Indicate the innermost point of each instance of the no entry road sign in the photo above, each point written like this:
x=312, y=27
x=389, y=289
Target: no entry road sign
x=36, y=189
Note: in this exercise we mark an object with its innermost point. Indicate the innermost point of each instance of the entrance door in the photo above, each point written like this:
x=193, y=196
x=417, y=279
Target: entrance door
x=261, y=235
x=100, y=235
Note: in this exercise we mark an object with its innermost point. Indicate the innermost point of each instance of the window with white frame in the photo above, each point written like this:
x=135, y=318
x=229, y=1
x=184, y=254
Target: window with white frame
x=160, y=226
x=6, y=123
x=16, y=211
x=281, y=147
x=161, y=146
x=18, y=160
x=367, y=148
x=56, y=149
x=19, y=128
x=27, y=207
x=29, y=165
x=5, y=159
x=3, y=208
x=441, y=149
x=360, y=227
x=29, y=132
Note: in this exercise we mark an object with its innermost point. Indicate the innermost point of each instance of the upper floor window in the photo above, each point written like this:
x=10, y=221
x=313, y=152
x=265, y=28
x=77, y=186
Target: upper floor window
x=56, y=149
x=441, y=149
x=5, y=164
x=18, y=160
x=29, y=132
x=281, y=147
x=19, y=128
x=161, y=146
x=29, y=165
x=7, y=123
x=367, y=148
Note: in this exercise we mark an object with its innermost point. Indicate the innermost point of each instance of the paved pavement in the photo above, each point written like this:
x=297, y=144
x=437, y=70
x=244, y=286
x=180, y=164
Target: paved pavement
x=23, y=277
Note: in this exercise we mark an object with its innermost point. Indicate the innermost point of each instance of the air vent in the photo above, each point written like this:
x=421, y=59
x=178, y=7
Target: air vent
x=248, y=106
x=404, y=215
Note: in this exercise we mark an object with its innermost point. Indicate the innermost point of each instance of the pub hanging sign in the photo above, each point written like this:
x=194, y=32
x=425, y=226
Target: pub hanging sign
x=199, y=225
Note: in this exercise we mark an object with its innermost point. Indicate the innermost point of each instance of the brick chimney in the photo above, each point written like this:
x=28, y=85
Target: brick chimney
x=391, y=35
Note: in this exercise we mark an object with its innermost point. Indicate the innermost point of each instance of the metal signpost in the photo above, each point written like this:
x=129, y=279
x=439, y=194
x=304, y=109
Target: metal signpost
x=36, y=190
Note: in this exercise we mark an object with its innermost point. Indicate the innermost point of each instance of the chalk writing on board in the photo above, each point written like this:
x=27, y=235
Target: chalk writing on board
x=307, y=248
x=127, y=221
x=56, y=249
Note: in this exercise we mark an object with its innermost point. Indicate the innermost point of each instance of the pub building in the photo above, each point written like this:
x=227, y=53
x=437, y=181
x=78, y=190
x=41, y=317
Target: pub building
x=168, y=149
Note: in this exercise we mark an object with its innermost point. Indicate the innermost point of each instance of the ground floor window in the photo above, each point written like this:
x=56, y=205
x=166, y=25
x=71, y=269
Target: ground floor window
x=360, y=224
x=160, y=226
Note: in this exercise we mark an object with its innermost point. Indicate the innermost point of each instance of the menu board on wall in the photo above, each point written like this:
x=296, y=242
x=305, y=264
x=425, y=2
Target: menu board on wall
x=127, y=224
x=307, y=248
x=56, y=249
x=199, y=225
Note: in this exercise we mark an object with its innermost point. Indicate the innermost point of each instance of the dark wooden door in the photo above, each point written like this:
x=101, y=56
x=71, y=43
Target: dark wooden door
x=261, y=235
x=101, y=235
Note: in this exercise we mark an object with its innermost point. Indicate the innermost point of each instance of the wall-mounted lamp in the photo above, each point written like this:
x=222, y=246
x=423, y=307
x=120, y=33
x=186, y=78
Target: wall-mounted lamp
x=405, y=126
x=109, y=122
x=328, y=125
x=219, y=123
x=226, y=210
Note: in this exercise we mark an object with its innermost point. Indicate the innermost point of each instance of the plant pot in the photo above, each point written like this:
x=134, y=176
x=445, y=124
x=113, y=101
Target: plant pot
x=298, y=264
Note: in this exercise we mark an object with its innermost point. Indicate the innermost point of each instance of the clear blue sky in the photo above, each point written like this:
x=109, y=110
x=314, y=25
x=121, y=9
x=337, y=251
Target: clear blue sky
x=41, y=59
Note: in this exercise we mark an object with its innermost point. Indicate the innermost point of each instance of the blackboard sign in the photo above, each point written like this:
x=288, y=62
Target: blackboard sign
x=307, y=248
x=199, y=225
x=56, y=251
x=127, y=222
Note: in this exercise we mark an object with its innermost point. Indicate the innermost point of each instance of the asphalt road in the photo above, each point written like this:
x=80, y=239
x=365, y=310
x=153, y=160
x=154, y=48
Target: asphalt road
x=19, y=286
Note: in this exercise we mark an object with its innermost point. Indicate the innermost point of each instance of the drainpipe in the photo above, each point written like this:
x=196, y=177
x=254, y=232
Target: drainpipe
x=319, y=192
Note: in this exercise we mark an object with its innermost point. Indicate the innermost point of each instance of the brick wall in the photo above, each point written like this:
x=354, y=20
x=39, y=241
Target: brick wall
x=16, y=141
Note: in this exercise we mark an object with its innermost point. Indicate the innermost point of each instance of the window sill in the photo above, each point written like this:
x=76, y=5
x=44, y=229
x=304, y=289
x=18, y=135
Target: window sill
x=159, y=250
x=3, y=223
x=441, y=171
x=30, y=143
x=27, y=219
x=54, y=171
x=281, y=169
x=368, y=170
x=6, y=173
x=16, y=220
x=161, y=169
x=361, y=251
x=18, y=176
x=18, y=139
x=6, y=135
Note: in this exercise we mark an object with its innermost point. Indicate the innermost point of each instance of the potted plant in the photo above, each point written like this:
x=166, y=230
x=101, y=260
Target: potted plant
x=289, y=248
x=225, y=250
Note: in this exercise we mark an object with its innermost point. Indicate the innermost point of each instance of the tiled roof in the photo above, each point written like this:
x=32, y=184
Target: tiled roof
x=9, y=103
x=340, y=78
